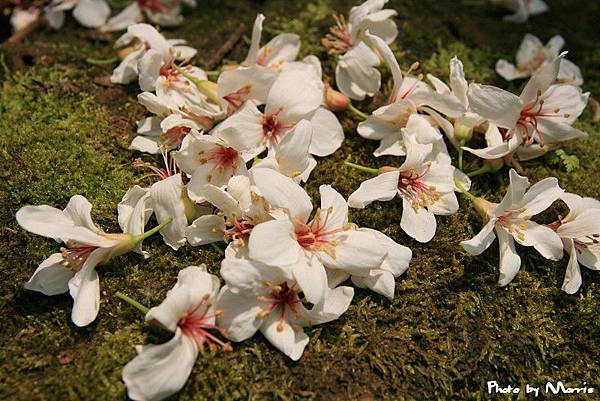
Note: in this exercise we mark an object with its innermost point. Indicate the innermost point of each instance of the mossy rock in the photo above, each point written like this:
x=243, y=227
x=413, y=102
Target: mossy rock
x=450, y=327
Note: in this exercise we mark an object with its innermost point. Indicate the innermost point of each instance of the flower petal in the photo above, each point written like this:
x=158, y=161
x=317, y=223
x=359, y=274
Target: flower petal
x=384, y=187
x=495, y=104
x=274, y=243
x=159, y=371
x=84, y=287
x=206, y=230
x=288, y=340
x=510, y=261
x=239, y=314
x=418, y=223
x=482, y=241
x=572, y=280
x=51, y=277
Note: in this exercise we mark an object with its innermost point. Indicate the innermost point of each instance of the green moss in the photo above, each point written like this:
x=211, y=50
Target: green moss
x=450, y=327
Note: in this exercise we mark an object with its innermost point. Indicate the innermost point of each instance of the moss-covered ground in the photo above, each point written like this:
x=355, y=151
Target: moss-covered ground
x=450, y=327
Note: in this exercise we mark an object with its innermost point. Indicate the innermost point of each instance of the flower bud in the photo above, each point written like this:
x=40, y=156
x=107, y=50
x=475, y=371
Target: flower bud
x=126, y=243
x=463, y=133
x=208, y=89
x=335, y=101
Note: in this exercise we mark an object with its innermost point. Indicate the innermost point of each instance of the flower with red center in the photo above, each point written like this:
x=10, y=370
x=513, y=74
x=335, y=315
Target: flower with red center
x=273, y=128
x=240, y=210
x=580, y=235
x=426, y=186
x=511, y=221
x=155, y=6
x=188, y=311
x=306, y=247
x=209, y=159
x=282, y=48
x=532, y=55
x=237, y=98
x=85, y=247
x=267, y=299
x=538, y=120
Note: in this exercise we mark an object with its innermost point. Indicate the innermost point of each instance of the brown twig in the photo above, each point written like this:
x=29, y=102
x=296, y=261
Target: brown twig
x=24, y=32
x=229, y=44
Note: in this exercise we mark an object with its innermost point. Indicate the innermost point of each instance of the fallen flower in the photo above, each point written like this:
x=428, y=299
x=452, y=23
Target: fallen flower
x=86, y=246
x=511, y=220
x=189, y=312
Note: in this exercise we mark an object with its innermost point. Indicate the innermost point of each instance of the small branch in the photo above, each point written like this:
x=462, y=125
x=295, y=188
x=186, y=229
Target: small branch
x=96, y=61
x=482, y=170
x=229, y=44
x=218, y=249
x=369, y=170
x=357, y=112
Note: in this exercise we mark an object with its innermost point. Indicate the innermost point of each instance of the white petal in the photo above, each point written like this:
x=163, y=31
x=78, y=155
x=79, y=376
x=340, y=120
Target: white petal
x=541, y=80
x=239, y=314
x=540, y=196
x=168, y=202
x=193, y=285
x=572, y=280
x=418, y=223
x=510, y=262
x=255, y=40
x=295, y=93
x=283, y=193
x=149, y=69
x=356, y=252
x=332, y=200
x=159, y=371
x=336, y=302
x=482, y=241
x=384, y=187
x=586, y=223
x=91, y=13
x=509, y=72
x=84, y=287
x=289, y=341
x=274, y=243
x=398, y=256
x=495, y=104
x=328, y=134
x=311, y=277
x=381, y=282
x=543, y=239
x=51, y=277
x=283, y=47
x=205, y=230
x=355, y=75
x=79, y=210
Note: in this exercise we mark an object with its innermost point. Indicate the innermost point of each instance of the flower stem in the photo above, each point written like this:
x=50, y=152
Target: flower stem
x=96, y=61
x=133, y=302
x=214, y=73
x=369, y=170
x=156, y=229
x=481, y=170
x=464, y=191
x=199, y=84
x=461, y=143
x=357, y=112
x=218, y=249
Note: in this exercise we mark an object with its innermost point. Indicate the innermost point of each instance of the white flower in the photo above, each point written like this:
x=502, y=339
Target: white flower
x=355, y=73
x=522, y=8
x=409, y=95
x=210, y=159
x=85, y=247
x=580, y=235
x=540, y=119
x=425, y=186
x=295, y=95
x=160, y=12
x=188, y=311
x=265, y=298
x=380, y=279
x=138, y=39
x=155, y=135
x=511, y=220
x=89, y=13
x=465, y=122
x=240, y=209
x=303, y=247
x=291, y=156
x=282, y=48
x=532, y=55
x=167, y=198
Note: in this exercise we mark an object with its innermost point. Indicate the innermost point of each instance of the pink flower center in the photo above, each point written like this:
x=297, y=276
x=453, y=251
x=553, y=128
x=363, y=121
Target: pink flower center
x=169, y=170
x=514, y=222
x=223, y=157
x=240, y=230
x=199, y=326
x=236, y=99
x=272, y=127
x=528, y=120
x=412, y=188
x=283, y=298
x=74, y=255
x=155, y=6
x=338, y=39
x=314, y=236
x=174, y=136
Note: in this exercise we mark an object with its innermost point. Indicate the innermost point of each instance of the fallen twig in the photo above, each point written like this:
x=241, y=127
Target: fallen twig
x=229, y=44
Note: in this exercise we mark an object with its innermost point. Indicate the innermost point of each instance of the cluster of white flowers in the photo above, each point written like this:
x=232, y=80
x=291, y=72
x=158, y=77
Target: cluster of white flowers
x=237, y=150
x=97, y=13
